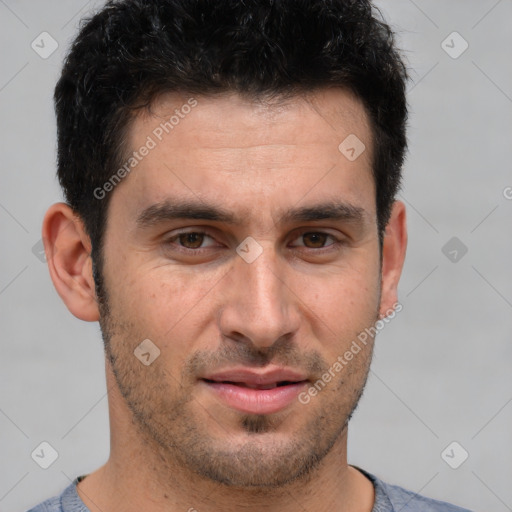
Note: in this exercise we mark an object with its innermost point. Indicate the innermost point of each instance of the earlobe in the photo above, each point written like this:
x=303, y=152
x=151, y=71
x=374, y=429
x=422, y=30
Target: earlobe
x=68, y=253
x=393, y=256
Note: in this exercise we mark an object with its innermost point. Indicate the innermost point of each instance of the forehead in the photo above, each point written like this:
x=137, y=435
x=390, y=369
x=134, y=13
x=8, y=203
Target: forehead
x=248, y=153
x=222, y=118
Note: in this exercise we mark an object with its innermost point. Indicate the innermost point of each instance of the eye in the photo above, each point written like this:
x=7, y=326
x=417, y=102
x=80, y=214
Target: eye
x=191, y=240
x=315, y=240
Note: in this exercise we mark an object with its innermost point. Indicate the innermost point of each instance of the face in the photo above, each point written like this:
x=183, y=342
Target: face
x=244, y=246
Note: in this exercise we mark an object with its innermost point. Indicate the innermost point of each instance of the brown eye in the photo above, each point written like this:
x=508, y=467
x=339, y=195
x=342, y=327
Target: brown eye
x=315, y=240
x=191, y=240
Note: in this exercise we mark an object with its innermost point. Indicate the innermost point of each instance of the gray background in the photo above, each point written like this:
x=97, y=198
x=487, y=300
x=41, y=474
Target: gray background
x=442, y=367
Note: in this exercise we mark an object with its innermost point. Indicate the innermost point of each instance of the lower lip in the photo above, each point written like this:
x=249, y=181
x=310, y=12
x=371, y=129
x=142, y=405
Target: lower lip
x=256, y=401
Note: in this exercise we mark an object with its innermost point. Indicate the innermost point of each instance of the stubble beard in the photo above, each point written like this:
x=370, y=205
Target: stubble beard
x=173, y=435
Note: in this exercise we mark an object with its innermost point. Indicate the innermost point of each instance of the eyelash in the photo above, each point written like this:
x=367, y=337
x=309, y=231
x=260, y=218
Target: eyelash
x=334, y=245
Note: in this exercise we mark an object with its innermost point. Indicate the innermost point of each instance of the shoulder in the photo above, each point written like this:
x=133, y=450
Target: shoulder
x=68, y=501
x=405, y=500
x=50, y=505
x=393, y=498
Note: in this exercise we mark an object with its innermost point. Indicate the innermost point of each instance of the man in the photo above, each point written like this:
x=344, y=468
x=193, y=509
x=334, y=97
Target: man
x=230, y=171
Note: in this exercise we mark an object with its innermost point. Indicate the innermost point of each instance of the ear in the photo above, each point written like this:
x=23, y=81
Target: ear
x=393, y=255
x=68, y=253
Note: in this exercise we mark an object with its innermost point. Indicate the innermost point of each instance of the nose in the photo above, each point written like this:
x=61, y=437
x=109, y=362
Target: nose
x=260, y=306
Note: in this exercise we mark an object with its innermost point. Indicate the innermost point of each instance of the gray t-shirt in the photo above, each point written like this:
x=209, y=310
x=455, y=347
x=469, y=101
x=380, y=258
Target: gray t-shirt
x=388, y=498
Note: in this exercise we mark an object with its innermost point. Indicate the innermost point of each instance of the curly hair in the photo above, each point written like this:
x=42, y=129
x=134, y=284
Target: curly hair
x=132, y=51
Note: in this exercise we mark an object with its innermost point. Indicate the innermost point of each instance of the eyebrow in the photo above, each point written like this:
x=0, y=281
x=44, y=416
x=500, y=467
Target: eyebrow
x=175, y=209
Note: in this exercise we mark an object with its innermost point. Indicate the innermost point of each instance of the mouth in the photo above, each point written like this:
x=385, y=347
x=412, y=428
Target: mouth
x=256, y=393
x=270, y=385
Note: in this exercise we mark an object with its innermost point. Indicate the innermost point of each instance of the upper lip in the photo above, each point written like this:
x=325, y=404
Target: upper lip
x=256, y=378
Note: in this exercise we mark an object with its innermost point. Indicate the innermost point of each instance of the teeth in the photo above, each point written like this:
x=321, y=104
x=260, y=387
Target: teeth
x=255, y=386
x=266, y=386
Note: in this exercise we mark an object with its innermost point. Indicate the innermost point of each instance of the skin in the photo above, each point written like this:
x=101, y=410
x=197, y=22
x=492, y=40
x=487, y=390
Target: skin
x=174, y=445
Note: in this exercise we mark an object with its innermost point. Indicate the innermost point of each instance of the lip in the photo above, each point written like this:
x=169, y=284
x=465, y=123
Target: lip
x=256, y=401
x=253, y=377
x=256, y=392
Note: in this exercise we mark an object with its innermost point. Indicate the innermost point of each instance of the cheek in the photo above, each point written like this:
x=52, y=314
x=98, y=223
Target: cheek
x=340, y=306
x=353, y=288
x=166, y=304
